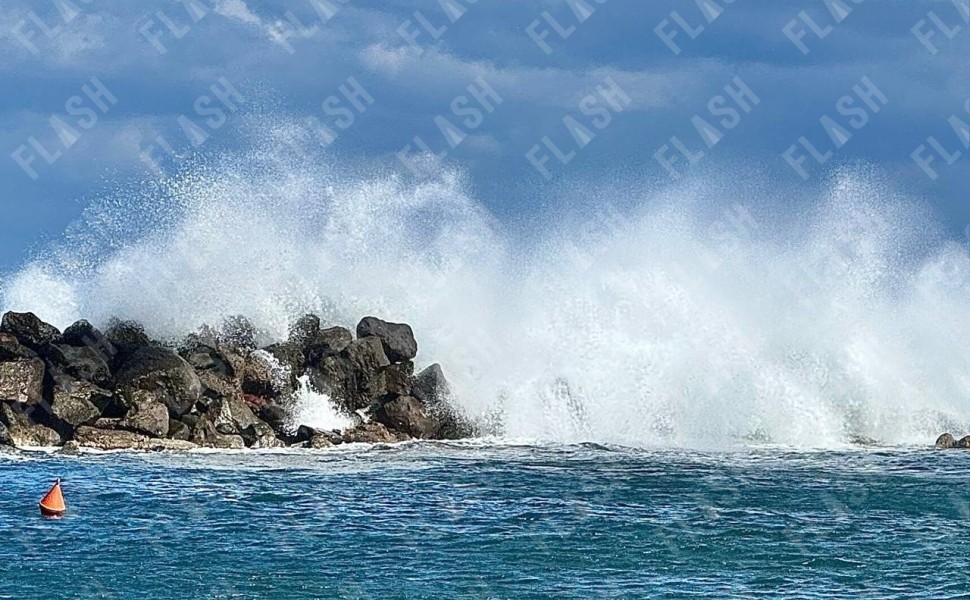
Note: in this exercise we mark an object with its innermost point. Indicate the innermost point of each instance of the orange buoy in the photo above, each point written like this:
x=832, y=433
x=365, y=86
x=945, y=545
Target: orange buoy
x=52, y=505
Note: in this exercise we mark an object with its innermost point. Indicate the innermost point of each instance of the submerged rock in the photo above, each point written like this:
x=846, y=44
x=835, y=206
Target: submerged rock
x=117, y=439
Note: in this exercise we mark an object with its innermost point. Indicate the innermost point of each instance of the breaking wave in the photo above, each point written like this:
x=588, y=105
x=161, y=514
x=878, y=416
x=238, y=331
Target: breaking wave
x=695, y=315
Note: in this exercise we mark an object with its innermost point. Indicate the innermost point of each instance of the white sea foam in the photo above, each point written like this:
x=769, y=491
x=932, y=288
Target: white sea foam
x=673, y=324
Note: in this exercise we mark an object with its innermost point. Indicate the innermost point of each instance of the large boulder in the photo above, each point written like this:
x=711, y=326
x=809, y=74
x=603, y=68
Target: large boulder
x=263, y=376
x=79, y=362
x=147, y=415
x=231, y=416
x=22, y=380
x=329, y=342
x=126, y=338
x=23, y=427
x=397, y=338
x=29, y=329
x=945, y=441
x=290, y=357
x=164, y=372
x=304, y=330
x=963, y=442
x=218, y=369
x=430, y=386
x=238, y=332
x=83, y=333
x=407, y=414
x=355, y=379
x=76, y=402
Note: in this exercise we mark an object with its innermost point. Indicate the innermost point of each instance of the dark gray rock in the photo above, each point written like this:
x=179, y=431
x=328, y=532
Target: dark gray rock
x=11, y=349
x=397, y=338
x=22, y=380
x=79, y=362
x=24, y=429
x=329, y=342
x=408, y=415
x=204, y=433
x=303, y=331
x=83, y=334
x=265, y=377
x=218, y=370
x=75, y=402
x=260, y=435
x=146, y=415
x=238, y=332
x=177, y=430
x=276, y=416
x=126, y=337
x=231, y=416
x=399, y=379
x=290, y=356
x=162, y=371
x=28, y=329
x=5, y=439
x=945, y=441
x=963, y=442
x=430, y=386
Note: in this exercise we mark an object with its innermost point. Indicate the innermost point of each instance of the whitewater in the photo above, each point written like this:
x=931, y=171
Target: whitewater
x=685, y=315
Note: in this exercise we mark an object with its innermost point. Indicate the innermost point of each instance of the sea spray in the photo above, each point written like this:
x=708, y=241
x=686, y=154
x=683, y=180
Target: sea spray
x=658, y=329
x=315, y=409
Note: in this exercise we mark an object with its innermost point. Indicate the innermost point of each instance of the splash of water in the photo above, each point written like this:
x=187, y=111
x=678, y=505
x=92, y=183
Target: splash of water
x=655, y=323
x=316, y=410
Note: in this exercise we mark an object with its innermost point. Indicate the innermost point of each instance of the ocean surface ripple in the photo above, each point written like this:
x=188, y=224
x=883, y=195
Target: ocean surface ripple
x=493, y=519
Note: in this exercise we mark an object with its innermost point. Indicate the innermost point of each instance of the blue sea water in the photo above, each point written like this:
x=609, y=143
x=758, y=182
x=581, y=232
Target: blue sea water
x=479, y=520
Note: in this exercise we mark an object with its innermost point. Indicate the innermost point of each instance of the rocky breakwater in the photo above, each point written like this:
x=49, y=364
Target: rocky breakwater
x=119, y=389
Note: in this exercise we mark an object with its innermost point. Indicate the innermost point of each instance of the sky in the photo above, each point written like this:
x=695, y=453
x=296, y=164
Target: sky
x=526, y=97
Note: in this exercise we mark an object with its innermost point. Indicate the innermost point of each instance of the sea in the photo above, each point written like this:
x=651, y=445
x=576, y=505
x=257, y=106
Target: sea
x=490, y=519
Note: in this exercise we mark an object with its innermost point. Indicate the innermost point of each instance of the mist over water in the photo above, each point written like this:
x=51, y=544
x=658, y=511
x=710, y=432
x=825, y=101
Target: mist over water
x=672, y=323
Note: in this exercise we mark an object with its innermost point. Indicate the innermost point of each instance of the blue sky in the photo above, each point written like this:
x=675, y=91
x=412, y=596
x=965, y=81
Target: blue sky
x=625, y=89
